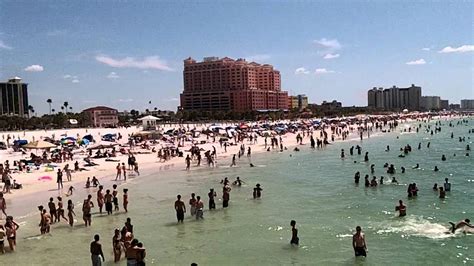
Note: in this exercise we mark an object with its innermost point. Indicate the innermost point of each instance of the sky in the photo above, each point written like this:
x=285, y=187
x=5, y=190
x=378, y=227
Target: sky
x=124, y=54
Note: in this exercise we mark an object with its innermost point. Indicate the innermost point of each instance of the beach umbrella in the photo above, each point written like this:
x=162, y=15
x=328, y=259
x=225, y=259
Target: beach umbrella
x=39, y=144
x=67, y=141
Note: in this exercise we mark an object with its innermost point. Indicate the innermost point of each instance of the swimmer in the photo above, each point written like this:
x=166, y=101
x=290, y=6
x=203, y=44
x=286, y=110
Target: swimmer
x=251, y=164
x=443, y=158
x=402, y=209
x=294, y=234
x=435, y=187
x=394, y=180
x=447, y=185
x=436, y=169
x=238, y=182
x=461, y=224
x=180, y=208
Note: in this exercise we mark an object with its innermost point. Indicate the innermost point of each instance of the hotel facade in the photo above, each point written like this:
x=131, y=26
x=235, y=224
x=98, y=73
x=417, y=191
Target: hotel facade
x=225, y=84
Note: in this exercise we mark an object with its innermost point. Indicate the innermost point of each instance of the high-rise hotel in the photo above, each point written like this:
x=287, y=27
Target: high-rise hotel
x=225, y=84
x=14, y=98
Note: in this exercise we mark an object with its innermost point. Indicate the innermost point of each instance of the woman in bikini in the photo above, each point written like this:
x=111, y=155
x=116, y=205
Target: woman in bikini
x=11, y=227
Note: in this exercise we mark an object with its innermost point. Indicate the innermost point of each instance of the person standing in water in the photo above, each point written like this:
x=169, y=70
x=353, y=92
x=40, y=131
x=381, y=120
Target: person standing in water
x=294, y=234
x=212, y=194
x=447, y=185
x=192, y=204
x=100, y=198
x=199, y=208
x=225, y=196
x=125, y=199
x=97, y=256
x=70, y=212
x=358, y=243
x=180, y=208
x=402, y=209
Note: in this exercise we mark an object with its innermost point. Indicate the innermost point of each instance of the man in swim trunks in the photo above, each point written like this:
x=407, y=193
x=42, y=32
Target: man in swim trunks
x=199, y=208
x=358, y=243
x=180, y=208
x=96, y=252
x=461, y=224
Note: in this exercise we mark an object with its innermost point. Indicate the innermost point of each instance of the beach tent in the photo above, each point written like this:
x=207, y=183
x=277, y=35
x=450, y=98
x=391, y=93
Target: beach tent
x=83, y=142
x=39, y=144
x=20, y=142
x=88, y=137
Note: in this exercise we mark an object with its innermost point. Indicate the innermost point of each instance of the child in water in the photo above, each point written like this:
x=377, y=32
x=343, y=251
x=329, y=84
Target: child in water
x=294, y=234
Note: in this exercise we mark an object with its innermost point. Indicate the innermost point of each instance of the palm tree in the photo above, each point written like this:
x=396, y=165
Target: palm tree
x=49, y=101
x=147, y=111
x=70, y=108
x=62, y=107
x=52, y=110
x=31, y=109
x=66, y=104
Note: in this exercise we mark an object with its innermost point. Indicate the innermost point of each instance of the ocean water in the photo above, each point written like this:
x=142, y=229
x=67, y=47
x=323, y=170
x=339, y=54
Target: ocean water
x=313, y=187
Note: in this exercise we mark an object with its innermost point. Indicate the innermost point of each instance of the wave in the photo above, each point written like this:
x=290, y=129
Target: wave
x=419, y=227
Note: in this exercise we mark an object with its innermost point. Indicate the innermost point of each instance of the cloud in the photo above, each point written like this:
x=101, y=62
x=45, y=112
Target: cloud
x=319, y=71
x=4, y=46
x=258, y=57
x=328, y=45
x=125, y=100
x=113, y=75
x=34, y=68
x=301, y=70
x=149, y=62
x=172, y=99
x=426, y=49
x=416, y=62
x=73, y=79
x=56, y=32
x=331, y=56
x=460, y=49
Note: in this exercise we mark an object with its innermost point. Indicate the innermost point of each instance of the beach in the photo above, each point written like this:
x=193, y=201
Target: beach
x=314, y=187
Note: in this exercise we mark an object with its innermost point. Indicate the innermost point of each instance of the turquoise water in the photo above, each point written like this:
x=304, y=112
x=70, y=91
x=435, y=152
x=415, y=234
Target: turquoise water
x=314, y=187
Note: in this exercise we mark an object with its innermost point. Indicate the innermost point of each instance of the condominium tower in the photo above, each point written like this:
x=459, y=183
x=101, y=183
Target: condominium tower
x=225, y=84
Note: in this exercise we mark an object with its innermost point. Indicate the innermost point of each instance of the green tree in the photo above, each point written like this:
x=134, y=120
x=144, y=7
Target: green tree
x=49, y=101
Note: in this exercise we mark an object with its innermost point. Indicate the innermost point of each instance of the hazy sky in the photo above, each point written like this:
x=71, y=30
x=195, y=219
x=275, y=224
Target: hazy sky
x=125, y=53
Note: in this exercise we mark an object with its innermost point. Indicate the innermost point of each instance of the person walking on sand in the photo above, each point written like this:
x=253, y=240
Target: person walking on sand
x=180, y=208
x=188, y=162
x=124, y=170
x=3, y=205
x=358, y=243
x=97, y=256
x=233, y=161
x=59, y=179
x=67, y=170
x=119, y=172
